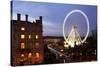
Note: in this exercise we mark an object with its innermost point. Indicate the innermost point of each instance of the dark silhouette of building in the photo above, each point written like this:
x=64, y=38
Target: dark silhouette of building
x=26, y=42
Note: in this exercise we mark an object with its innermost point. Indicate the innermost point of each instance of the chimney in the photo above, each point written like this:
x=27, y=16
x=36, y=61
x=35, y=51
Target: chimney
x=26, y=17
x=18, y=17
x=40, y=18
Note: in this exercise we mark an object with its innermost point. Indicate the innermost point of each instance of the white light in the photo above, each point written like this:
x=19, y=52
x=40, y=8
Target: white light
x=66, y=46
x=36, y=37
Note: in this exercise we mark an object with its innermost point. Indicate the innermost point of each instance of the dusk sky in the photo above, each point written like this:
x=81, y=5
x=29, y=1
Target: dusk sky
x=54, y=14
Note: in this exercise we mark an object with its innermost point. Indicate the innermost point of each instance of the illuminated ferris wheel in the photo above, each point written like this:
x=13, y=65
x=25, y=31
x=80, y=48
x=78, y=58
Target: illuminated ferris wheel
x=74, y=37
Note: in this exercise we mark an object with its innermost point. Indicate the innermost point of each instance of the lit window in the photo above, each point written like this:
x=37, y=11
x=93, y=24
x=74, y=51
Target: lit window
x=22, y=28
x=37, y=45
x=29, y=36
x=22, y=45
x=22, y=55
x=37, y=55
x=22, y=36
x=36, y=36
x=29, y=55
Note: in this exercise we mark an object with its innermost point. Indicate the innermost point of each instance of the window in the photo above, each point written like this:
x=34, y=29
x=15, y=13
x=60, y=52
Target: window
x=22, y=55
x=36, y=36
x=37, y=55
x=22, y=45
x=29, y=55
x=37, y=45
x=22, y=28
x=22, y=36
x=29, y=36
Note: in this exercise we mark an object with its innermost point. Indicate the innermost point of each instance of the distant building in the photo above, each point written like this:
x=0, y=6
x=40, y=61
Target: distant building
x=26, y=42
x=54, y=40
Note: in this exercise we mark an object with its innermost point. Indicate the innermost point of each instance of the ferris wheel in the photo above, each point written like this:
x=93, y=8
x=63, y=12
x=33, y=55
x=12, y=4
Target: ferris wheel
x=71, y=37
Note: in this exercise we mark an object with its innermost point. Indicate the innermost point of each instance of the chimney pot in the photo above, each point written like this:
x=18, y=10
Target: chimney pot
x=40, y=18
x=18, y=17
x=26, y=17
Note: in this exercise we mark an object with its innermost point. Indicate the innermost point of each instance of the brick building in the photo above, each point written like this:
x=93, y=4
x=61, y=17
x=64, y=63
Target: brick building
x=26, y=41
